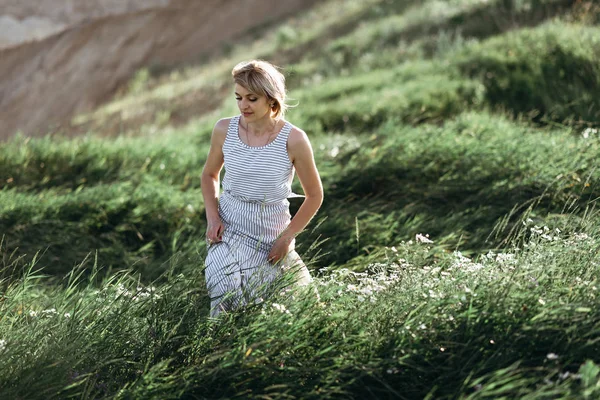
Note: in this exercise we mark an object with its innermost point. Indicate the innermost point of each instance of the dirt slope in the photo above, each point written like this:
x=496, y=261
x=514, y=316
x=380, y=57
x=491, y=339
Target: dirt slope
x=84, y=49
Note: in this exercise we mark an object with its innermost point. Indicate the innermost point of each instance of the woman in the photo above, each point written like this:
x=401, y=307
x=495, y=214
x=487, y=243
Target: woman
x=250, y=231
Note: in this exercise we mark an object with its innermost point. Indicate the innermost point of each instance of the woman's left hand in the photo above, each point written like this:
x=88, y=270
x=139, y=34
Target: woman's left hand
x=282, y=246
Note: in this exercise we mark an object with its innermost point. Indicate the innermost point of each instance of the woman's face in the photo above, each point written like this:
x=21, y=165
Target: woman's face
x=251, y=105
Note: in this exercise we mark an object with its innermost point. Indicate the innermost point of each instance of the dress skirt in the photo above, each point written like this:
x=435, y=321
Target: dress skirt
x=237, y=268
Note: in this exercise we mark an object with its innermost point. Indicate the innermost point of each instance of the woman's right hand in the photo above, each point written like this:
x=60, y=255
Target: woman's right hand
x=214, y=231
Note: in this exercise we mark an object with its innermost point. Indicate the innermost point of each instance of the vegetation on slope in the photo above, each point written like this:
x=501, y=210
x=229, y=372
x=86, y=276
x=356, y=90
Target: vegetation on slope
x=475, y=122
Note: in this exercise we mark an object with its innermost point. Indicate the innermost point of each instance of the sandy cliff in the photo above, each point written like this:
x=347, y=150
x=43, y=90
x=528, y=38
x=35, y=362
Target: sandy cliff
x=57, y=61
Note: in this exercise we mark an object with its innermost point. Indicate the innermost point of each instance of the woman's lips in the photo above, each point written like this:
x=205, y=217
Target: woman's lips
x=246, y=114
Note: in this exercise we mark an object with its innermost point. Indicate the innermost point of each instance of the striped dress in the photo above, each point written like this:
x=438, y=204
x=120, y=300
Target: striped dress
x=254, y=209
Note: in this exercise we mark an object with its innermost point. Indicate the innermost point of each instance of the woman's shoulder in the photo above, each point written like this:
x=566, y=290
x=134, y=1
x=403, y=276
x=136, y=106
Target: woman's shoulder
x=296, y=136
x=221, y=128
x=223, y=124
x=298, y=144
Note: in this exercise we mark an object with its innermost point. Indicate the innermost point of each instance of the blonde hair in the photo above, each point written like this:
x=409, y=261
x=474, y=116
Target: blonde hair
x=263, y=78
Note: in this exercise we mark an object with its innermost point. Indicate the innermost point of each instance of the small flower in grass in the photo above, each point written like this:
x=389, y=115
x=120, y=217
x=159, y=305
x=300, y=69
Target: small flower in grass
x=122, y=291
x=589, y=132
x=423, y=238
x=552, y=356
x=281, y=308
x=33, y=314
x=541, y=301
x=50, y=312
x=67, y=315
x=563, y=375
x=536, y=230
x=353, y=288
x=2, y=345
x=581, y=237
x=548, y=237
x=505, y=258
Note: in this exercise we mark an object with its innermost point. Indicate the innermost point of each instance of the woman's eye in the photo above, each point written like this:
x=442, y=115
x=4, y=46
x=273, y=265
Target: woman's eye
x=238, y=98
x=252, y=100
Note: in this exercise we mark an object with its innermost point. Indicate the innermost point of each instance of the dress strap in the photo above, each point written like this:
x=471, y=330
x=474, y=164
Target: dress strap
x=285, y=133
x=233, y=126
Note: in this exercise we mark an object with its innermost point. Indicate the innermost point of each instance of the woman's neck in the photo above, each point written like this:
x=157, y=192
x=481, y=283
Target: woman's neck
x=261, y=127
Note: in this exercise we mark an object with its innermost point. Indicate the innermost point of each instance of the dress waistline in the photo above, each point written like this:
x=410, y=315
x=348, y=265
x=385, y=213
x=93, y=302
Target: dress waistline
x=248, y=200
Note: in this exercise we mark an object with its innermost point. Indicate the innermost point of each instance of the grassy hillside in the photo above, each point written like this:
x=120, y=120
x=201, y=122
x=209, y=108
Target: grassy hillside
x=474, y=122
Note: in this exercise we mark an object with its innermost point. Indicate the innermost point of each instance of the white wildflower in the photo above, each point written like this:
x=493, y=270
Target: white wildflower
x=588, y=132
x=581, y=237
x=552, y=356
x=360, y=298
x=49, y=312
x=67, y=315
x=505, y=258
x=563, y=375
x=33, y=314
x=122, y=291
x=2, y=345
x=423, y=239
x=281, y=308
x=536, y=230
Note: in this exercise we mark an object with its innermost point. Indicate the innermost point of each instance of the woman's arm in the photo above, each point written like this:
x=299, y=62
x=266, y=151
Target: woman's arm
x=301, y=155
x=210, y=181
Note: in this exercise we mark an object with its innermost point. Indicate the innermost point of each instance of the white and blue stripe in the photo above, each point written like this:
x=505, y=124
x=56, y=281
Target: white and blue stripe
x=254, y=209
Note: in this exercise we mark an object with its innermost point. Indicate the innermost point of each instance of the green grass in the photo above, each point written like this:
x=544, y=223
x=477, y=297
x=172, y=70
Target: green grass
x=472, y=122
x=550, y=72
x=457, y=327
x=456, y=181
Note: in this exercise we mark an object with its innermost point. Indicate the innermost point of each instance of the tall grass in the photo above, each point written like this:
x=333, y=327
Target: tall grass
x=499, y=325
x=456, y=254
